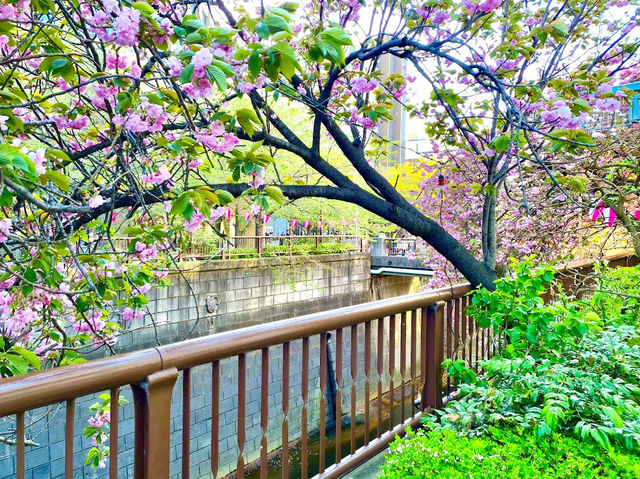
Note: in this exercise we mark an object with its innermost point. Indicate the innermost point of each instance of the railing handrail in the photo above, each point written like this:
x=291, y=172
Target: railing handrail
x=36, y=389
x=42, y=388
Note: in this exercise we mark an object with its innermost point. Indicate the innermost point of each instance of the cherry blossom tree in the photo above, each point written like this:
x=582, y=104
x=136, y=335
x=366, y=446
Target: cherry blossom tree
x=146, y=119
x=606, y=178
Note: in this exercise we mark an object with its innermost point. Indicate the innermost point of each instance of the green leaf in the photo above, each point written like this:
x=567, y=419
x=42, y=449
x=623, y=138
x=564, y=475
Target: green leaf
x=613, y=415
x=59, y=179
x=55, y=153
x=560, y=28
x=224, y=197
x=194, y=37
x=6, y=198
x=501, y=143
x=192, y=22
x=276, y=23
x=29, y=356
x=218, y=77
x=180, y=204
x=58, y=64
x=224, y=66
x=26, y=165
x=254, y=64
x=144, y=8
x=337, y=35
x=17, y=364
x=275, y=194
x=186, y=73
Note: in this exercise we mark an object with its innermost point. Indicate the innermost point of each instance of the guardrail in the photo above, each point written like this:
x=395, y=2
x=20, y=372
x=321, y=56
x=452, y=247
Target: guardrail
x=259, y=246
x=401, y=342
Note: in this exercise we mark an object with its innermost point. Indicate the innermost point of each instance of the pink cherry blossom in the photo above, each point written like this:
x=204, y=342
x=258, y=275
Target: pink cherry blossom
x=96, y=201
x=127, y=314
x=157, y=177
x=194, y=223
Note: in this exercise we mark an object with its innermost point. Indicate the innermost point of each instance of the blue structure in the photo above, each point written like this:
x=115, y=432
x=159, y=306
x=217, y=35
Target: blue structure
x=634, y=109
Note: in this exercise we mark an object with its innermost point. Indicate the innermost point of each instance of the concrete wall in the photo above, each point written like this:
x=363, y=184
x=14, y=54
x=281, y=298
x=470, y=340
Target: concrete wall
x=247, y=292
x=244, y=292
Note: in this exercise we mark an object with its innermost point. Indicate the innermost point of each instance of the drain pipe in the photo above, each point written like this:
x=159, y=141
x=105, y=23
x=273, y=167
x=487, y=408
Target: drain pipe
x=452, y=396
x=331, y=386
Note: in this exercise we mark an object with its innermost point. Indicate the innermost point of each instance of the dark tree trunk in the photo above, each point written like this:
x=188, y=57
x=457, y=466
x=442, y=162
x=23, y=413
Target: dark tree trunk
x=489, y=238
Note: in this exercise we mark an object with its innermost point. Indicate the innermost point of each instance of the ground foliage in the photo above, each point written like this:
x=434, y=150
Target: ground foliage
x=566, y=381
x=503, y=453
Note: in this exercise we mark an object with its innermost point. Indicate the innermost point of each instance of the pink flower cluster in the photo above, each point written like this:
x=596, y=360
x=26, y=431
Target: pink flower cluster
x=146, y=117
x=120, y=25
x=216, y=138
x=129, y=314
x=472, y=6
x=96, y=201
x=38, y=159
x=5, y=229
x=79, y=123
x=362, y=85
x=104, y=94
x=362, y=120
x=195, y=222
x=18, y=11
x=146, y=252
x=559, y=114
x=161, y=175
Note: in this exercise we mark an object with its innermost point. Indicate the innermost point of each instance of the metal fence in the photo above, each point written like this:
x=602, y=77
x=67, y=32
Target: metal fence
x=400, y=342
x=259, y=246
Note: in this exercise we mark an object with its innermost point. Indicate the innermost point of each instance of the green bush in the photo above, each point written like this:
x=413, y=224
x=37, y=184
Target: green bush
x=617, y=295
x=242, y=253
x=503, y=453
x=561, y=372
x=517, y=308
x=333, y=248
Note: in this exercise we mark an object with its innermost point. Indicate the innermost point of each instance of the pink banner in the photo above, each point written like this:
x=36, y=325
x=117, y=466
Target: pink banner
x=247, y=216
x=265, y=218
x=294, y=223
x=609, y=216
x=228, y=214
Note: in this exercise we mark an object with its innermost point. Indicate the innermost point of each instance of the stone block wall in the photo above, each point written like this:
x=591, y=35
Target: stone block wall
x=222, y=295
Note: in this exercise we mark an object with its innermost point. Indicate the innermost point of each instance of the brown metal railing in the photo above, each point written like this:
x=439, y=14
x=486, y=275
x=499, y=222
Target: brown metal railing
x=395, y=346
x=399, y=246
x=247, y=246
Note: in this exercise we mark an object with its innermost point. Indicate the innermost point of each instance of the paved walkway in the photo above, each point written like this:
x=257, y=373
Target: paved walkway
x=369, y=469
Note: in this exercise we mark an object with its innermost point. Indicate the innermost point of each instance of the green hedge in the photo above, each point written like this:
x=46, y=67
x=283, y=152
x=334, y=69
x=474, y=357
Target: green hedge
x=271, y=251
x=503, y=453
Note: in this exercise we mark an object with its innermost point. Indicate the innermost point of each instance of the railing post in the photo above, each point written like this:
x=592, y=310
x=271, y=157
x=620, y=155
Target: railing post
x=434, y=355
x=152, y=399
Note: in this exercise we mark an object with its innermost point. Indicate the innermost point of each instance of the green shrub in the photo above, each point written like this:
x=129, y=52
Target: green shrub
x=503, y=453
x=242, y=253
x=561, y=372
x=333, y=248
x=517, y=308
x=617, y=295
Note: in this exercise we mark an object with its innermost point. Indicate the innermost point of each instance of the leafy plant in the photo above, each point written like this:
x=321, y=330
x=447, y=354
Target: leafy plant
x=561, y=371
x=517, y=308
x=617, y=294
x=503, y=453
x=98, y=430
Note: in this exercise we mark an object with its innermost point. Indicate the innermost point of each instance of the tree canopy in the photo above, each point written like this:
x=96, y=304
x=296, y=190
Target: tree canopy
x=109, y=108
